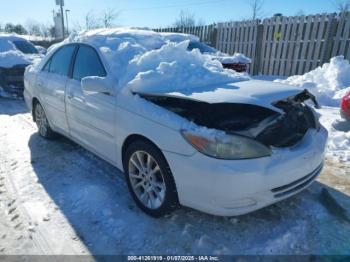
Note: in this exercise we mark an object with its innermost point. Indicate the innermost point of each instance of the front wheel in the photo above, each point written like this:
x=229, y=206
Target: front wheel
x=149, y=179
x=42, y=123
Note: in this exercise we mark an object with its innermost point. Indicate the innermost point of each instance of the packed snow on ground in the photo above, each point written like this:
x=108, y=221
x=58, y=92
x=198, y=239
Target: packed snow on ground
x=329, y=83
x=10, y=56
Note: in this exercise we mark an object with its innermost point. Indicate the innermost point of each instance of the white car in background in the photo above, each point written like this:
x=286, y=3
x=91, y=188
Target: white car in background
x=238, y=62
x=16, y=53
x=226, y=148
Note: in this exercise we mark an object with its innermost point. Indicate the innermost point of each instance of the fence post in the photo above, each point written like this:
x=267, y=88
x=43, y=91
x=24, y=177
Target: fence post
x=329, y=39
x=258, y=49
x=213, y=36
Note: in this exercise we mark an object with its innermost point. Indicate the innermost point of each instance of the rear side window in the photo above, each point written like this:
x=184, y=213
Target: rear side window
x=87, y=63
x=61, y=60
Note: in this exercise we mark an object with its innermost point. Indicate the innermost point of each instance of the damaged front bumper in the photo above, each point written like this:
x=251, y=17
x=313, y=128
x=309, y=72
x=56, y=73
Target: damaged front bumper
x=235, y=187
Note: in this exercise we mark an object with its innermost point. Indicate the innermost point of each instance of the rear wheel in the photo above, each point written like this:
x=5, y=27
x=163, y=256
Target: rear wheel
x=149, y=179
x=42, y=123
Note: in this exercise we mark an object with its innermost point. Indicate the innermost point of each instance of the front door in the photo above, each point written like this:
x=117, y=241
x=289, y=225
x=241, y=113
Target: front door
x=91, y=115
x=52, y=82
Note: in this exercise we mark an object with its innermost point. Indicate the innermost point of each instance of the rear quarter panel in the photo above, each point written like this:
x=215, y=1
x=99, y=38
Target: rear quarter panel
x=29, y=86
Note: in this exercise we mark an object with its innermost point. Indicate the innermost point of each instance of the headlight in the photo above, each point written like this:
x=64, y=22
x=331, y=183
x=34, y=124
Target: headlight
x=225, y=146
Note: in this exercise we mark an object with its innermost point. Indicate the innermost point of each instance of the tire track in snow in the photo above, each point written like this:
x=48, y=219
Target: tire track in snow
x=20, y=216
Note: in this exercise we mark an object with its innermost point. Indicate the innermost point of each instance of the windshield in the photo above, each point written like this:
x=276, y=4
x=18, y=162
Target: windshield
x=203, y=48
x=25, y=47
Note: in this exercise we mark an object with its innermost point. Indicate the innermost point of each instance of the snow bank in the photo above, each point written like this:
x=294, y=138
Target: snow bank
x=329, y=82
x=179, y=37
x=339, y=133
x=146, y=61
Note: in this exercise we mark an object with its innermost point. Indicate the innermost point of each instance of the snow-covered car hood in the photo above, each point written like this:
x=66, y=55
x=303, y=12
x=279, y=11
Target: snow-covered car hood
x=254, y=92
x=227, y=59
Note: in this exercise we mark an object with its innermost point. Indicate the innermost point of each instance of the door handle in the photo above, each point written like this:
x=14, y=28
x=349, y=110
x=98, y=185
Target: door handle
x=69, y=96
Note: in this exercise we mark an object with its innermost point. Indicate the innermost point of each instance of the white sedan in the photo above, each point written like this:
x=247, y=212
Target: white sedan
x=224, y=151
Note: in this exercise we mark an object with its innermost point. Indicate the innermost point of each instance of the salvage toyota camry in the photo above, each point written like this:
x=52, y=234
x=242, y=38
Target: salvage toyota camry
x=184, y=130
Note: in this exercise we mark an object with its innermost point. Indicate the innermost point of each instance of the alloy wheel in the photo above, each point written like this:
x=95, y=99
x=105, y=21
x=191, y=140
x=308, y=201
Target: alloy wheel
x=146, y=179
x=41, y=120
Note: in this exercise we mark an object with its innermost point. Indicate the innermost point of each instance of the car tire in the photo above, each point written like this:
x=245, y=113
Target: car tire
x=42, y=123
x=149, y=178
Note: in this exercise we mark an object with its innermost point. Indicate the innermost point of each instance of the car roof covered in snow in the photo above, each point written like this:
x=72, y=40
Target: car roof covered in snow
x=11, y=37
x=6, y=39
x=147, y=61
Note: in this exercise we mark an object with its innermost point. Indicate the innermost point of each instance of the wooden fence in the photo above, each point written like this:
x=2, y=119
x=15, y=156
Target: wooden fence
x=280, y=45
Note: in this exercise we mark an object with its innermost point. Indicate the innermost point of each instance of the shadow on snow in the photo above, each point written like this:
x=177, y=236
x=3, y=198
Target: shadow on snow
x=94, y=198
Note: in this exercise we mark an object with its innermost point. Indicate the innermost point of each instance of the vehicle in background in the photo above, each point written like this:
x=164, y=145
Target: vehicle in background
x=237, y=62
x=41, y=50
x=345, y=106
x=16, y=53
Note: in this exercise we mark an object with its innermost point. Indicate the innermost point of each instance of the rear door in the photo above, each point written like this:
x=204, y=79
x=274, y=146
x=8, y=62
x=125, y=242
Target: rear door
x=91, y=115
x=52, y=82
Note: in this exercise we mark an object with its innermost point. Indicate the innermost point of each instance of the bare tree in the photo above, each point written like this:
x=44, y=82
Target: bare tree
x=108, y=17
x=342, y=5
x=185, y=19
x=256, y=7
x=33, y=27
x=91, y=22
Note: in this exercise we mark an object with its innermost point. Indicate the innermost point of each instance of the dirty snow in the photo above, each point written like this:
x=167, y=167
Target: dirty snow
x=57, y=198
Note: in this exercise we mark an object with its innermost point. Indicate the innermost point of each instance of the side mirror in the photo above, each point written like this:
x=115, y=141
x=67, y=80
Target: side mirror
x=96, y=84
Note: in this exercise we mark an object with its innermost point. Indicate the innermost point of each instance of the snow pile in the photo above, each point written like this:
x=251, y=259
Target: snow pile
x=339, y=133
x=173, y=68
x=146, y=61
x=329, y=82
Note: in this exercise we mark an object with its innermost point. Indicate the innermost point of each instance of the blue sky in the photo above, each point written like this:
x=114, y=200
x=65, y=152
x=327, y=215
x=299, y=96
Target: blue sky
x=155, y=13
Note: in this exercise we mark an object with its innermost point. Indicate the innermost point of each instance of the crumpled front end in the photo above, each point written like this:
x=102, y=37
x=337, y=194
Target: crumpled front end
x=283, y=127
